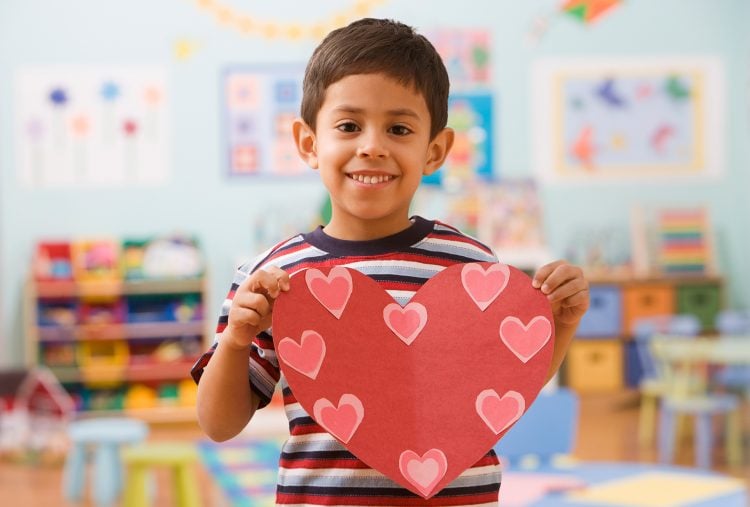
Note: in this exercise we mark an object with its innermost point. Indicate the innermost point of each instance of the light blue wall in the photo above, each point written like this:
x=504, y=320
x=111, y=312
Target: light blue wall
x=222, y=213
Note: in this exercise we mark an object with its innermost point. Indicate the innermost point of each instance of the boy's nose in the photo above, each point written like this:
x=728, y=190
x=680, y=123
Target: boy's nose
x=372, y=146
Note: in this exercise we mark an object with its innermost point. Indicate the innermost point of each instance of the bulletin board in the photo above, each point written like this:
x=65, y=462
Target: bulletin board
x=91, y=126
x=260, y=104
x=628, y=119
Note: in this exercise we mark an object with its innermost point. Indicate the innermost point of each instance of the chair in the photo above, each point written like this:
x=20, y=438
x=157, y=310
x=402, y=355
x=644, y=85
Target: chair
x=652, y=385
x=686, y=393
x=535, y=436
x=180, y=457
x=734, y=377
x=103, y=436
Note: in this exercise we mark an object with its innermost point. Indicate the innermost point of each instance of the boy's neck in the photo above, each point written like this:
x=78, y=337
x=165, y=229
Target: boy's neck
x=365, y=230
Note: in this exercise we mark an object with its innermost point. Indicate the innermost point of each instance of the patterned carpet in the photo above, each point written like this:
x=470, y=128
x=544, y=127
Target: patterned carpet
x=245, y=470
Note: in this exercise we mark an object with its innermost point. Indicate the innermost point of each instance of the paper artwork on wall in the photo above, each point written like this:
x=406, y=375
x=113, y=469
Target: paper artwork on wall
x=471, y=158
x=506, y=215
x=628, y=119
x=260, y=104
x=466, y=54
x=510, y=222
x=588, y=11
x=89, y=126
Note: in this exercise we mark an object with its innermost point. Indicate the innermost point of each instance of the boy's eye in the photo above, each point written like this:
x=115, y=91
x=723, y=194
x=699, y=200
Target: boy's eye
x=348, y=127
x=400, y=130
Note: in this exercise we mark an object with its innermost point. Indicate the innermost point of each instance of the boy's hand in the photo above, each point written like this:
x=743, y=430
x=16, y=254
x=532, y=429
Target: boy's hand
x=566, y=289
x=252, y=306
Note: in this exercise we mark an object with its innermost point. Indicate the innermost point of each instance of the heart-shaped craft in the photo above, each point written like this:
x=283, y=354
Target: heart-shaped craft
x=419, y=392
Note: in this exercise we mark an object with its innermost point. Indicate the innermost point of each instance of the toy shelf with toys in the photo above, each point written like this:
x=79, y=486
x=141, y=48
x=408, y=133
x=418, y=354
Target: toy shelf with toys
x=119, y=323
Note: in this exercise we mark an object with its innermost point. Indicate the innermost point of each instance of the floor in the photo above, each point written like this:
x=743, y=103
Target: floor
x=607, y=432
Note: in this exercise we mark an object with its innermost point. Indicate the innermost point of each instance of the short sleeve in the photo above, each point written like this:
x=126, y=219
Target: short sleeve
x=263, y=367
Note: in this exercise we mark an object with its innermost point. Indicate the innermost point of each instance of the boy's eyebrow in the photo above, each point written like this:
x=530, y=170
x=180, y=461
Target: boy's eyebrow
x=391, y=112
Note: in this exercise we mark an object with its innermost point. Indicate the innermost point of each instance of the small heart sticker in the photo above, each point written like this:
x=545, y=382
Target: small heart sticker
x=307, y=356
x=332, y=291
x=341, y=421
x=425, y=471
x=525, y=340
x=406, y=322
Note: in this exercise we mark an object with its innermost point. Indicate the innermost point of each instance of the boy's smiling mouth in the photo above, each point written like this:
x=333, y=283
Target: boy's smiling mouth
x=371, y=179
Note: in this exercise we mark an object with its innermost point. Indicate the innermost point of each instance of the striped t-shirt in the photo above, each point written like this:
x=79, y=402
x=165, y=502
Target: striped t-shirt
x=314, y=468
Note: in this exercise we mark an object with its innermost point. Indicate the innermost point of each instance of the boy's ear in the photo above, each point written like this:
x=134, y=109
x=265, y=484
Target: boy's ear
x=439, y=148
x=304, y=139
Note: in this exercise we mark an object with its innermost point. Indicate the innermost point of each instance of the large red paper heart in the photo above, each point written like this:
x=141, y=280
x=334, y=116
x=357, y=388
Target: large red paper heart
x=419, y=392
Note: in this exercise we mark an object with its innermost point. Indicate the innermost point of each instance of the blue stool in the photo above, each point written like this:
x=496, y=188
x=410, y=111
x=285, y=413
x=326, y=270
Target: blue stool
x=104, y=437
x=703, y=408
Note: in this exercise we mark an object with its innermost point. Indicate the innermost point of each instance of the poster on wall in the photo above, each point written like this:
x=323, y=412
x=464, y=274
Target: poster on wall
x=91, y=126
x=471, y=158
x=260, y=103
x=466, y=54
x=627, y=119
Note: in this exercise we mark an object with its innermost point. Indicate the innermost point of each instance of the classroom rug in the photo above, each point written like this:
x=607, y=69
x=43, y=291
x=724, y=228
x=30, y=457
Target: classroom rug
x=658, y=489
x=245, y=470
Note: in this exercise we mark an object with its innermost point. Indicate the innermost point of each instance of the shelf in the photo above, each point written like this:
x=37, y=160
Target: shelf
x=145, y=372
x=136, y=330
x=111, y=288
x=104, y=340
x=153, y=415
x=627, y=278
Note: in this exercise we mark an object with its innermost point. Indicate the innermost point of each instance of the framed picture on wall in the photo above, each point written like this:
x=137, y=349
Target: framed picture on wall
x=628, y=119
x=259, y=103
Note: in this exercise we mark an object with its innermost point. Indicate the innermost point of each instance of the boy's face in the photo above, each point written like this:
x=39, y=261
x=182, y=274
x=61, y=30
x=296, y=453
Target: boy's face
x=371, y=145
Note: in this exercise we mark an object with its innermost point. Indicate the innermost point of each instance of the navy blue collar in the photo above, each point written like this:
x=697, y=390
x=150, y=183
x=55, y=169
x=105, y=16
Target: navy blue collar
x=415, y=233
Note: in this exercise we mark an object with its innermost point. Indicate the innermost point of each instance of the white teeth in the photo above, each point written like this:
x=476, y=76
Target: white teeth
x=371, y=180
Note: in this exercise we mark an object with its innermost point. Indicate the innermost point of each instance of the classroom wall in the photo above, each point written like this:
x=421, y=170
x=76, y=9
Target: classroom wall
x=199, y=199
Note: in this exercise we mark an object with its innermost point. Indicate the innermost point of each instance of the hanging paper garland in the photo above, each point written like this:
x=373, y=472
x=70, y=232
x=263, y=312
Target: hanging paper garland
x=246, y=25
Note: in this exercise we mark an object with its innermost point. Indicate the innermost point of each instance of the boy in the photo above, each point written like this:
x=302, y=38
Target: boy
x=374, y=112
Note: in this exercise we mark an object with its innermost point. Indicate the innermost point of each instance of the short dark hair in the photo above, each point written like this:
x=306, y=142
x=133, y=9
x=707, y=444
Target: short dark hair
x=370, y=46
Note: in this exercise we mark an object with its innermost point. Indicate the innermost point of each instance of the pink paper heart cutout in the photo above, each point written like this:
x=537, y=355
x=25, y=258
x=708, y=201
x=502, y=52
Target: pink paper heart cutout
x=525, y=340
x=341, y=421
x=500, y=413
x=406, y=322
x=422, y=396
x=484, y=286
x=332, y=291
x=307, y=356
x=423, y=472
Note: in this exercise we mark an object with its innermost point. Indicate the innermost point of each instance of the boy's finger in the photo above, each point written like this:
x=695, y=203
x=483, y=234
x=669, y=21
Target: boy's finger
x=282, y=277
x=257, y=303
x=567, y=290
x=265, y=283
x=543, y=273
x=561, y=275
x=578, y=299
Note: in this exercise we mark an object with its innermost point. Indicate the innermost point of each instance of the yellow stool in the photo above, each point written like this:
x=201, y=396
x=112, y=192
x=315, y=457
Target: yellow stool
x=180, y=457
